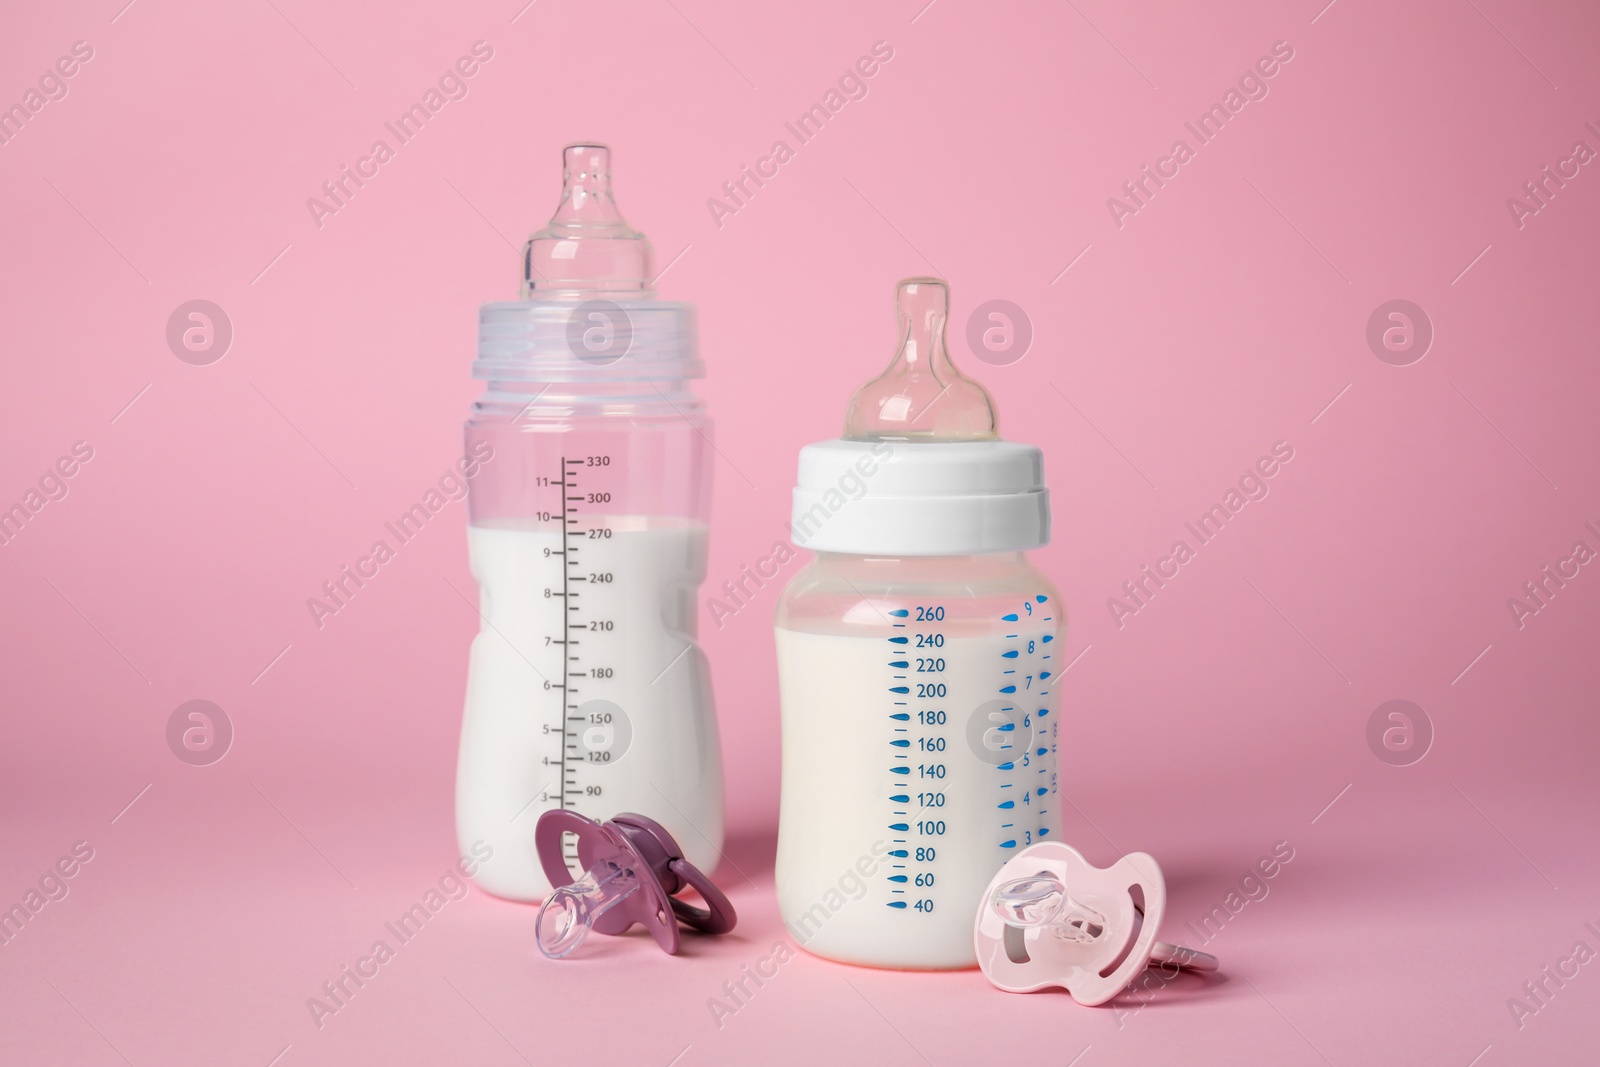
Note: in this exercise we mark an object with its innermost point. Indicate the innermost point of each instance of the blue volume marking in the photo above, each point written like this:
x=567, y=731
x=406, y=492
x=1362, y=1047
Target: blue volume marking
x=1002, y=767
x=1009, y=655
x=1009, y=618
x=899, y=640
x=1008, y=689
x=1041, y=791
x=900, y=613
x=1044, y=831
x=901, y=744
x=1043, y=712
x=1008, y=804
x=899, y=770
x=900, y=716
x=1041, y=598
x=1008, y=844
x=1042, y=751
x=898, y=853
x=1043, y=675
x=897, y=878
x=905, y=798
x=897, y=904
x=900, y=826
x=1048, y=638
x=900, y=663
x=899, y=689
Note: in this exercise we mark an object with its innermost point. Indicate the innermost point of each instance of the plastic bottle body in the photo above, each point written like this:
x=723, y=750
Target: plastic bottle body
x=919, y=747
x=586, y=686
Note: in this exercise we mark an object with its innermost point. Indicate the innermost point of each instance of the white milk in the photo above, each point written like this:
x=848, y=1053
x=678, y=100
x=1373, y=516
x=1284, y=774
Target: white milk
x=892, y=825
x=610, y=618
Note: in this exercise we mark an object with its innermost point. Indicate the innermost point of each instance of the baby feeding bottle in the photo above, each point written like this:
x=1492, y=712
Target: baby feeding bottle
x=917, y=656
x=586, y=689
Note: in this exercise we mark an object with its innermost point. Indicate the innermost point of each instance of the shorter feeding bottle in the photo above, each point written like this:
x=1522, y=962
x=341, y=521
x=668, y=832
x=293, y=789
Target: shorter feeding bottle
x=917, y=657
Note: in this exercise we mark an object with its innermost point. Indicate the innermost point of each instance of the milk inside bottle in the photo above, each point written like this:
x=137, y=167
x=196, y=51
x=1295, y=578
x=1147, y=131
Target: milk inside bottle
x=917, y=664
x=586, y=688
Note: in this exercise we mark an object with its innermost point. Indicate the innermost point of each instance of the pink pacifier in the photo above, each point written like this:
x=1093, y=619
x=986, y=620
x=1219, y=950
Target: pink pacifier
x=1051, y=918
x=633, y=871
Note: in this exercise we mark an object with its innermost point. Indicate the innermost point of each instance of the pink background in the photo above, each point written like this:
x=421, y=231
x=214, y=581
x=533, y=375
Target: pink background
x=1224, y=316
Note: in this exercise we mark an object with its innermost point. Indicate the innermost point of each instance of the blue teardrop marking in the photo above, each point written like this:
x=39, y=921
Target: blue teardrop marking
x=899, y=826
x=1042, y=751
x=1005, y=727
x=1009, y=618
x=1048, y=638
x=1043, y=712
x=898, y=853
x=901, y=716
x=1044, y=831
x=897, y=904
x=899, y=689
x=898, y=878
x=1040, y=598
x=1041, y=790
x=900, y=613
x=1005, y=767
x=900, y=663
x=899, y=770
x=1043, y=675
x=1008, y=689
x=901, y=744
x=901, y=798
x=899, y=640
x=1008, y=844
x=1008, y=804
x=1009, y=655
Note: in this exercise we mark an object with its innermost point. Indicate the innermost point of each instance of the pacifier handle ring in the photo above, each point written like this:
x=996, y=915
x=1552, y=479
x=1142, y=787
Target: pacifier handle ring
x=717, y=917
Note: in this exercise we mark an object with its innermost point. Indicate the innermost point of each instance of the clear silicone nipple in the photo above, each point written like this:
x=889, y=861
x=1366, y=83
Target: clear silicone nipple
x=587, y=249
x=569, y=913
x=922, y=396
x=1041, y=900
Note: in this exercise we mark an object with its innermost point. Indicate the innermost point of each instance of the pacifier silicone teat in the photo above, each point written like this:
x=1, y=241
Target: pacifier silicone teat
x=922, y=396
x=1051, y=918
x=587, y=249
x=633, y=871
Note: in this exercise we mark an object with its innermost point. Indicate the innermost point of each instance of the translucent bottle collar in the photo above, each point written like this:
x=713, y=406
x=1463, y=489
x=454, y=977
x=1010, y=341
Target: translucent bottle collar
x=587, y=248
x=922, y=396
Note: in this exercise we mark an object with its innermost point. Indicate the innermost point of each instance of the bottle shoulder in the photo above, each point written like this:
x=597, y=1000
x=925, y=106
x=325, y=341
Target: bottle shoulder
x=836, y=593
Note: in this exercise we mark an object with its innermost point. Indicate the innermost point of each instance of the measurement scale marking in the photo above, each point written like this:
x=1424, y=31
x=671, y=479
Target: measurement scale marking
x=566, y=477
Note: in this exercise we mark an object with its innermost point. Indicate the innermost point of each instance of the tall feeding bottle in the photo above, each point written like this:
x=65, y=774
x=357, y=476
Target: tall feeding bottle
x=917, y=663
x=586, y=688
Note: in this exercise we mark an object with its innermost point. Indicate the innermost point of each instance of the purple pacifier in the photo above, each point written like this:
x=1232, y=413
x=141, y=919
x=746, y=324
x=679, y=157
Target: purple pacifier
x=632, y=868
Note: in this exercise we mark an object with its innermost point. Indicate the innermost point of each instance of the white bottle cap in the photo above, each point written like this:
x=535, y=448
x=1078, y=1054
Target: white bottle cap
x=933, y=498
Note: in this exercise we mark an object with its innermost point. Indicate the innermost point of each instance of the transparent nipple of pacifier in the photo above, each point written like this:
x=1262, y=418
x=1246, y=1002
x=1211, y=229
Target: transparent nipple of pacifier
x=1041, y=900
x=921, y=397
x=568, y=914
x=587, y=249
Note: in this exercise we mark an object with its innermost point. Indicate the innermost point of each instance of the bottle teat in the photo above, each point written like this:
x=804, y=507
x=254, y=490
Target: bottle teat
x=587, y=248
x=922, y=396
x=633, y=873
